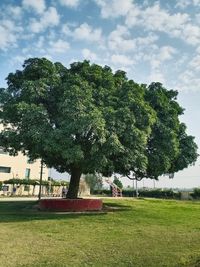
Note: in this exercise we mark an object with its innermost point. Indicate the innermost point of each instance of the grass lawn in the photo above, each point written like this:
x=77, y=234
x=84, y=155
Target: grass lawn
x=144, y=232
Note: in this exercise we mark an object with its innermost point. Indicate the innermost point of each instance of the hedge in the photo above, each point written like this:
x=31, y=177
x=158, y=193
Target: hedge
x=35, y=182
x=155, y=193
x=196, y=193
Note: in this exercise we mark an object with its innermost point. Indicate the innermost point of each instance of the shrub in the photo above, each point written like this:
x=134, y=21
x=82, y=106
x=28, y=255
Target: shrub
x=102, y=192
x=35, y=182
x=155, y=193
x=196, y=193
x=158, y=193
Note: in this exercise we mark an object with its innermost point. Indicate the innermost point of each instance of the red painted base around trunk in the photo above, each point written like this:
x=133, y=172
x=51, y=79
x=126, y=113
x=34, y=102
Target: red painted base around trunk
x=70, y=204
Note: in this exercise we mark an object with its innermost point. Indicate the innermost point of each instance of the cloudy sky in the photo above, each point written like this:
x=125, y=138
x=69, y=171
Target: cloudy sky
x=150, y=40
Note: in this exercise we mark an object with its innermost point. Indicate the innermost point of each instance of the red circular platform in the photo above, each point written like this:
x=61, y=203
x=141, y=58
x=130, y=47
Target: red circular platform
x=70, y=204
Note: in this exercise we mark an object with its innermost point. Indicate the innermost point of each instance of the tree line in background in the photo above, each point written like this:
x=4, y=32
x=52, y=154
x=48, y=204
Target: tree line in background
x=87, y=119
x=154, y=193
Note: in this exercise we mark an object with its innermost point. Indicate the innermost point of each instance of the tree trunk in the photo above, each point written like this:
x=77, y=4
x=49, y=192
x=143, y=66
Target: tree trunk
x=74, y=183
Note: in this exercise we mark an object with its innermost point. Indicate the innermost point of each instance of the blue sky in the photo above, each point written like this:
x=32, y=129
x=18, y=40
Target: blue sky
x=150, y=40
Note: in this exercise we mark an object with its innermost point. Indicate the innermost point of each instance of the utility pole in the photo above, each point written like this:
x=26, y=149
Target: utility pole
x=41, y=172
x=49, y=182
x=136, y=187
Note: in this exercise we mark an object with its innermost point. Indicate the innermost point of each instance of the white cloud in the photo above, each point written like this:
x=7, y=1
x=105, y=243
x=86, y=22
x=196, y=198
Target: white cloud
x=83, y=32
x=119, y=39
x=114, y=8
x=198, y=50
x=88, y=54
x=40, y=43
x=146, y=41
x=195, y=63
x=154, y=18
x=14, y=11
x=188, y=81
x=121, y=60
x=196, y=2
x=157, y=60
x=166, y=53
x=7, y=38
x=185, y=3
x=37, y=5
x=9, y=33
x=58, y=46
x=70, y=3
x=66, y=30
x=151, y=18
x=156, y=76
x=191, y=34
x=49, y=18
x=87, y=33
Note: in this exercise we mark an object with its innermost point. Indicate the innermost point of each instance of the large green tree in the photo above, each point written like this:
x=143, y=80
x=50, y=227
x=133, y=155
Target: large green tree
x=84, y=119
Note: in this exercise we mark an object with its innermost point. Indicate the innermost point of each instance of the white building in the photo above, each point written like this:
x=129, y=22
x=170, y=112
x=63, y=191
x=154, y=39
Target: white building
x=19, y=167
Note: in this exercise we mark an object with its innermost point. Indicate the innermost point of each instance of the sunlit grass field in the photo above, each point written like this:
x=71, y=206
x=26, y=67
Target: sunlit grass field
x=143, y=232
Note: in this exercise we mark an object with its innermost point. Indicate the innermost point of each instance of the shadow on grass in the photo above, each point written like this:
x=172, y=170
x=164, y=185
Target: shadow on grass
x=110, y=206
x=21, y=211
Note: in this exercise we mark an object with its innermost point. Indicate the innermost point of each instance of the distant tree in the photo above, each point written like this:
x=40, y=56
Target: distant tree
x=118, y=182
x=81, y=120
x=95, y=181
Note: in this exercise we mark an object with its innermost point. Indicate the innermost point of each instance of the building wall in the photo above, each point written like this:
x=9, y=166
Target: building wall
x=19, y=166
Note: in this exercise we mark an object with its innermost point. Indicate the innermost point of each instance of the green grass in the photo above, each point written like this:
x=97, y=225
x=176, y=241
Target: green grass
x=149, y=233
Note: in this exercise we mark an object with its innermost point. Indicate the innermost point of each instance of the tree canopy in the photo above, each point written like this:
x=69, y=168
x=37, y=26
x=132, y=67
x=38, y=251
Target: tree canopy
x=87, y=119
x=169, y=148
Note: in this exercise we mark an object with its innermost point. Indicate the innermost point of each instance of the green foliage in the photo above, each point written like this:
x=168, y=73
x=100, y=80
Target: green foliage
x=84, y=119
x=169, y=148
x=158, y=193
x=94, y=181
x=154, y=193
x=106, y=192
x=15, y=181
x=118, y=182
x=57, y=182
x=196, y=193
x=1, y=183
x=87, y=119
